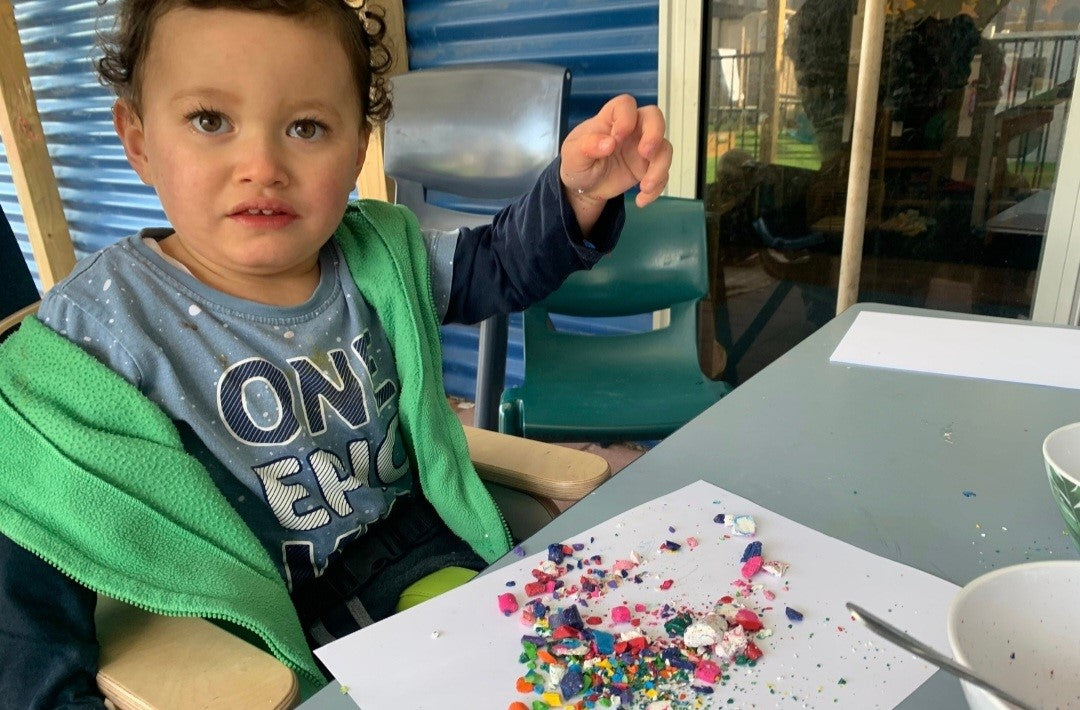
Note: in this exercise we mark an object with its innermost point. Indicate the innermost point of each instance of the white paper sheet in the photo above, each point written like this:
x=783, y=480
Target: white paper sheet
x=1010, y=352
x=826, y=660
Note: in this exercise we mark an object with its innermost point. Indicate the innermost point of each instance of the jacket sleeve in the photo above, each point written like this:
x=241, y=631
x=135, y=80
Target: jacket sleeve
x=48, y=645
x=527, y=251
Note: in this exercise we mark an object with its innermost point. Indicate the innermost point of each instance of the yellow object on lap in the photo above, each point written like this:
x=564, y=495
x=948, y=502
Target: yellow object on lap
x=433, y=585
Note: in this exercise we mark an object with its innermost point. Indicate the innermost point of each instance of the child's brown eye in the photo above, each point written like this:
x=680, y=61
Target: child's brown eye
x=307, y=129
x=208, y=122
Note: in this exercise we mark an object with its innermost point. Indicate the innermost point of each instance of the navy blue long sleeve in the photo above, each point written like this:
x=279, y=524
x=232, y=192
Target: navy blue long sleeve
x=48, y=647
x=527, y=251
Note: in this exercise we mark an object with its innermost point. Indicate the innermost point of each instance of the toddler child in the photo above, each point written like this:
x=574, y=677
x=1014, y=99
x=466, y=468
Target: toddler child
x=241, y=416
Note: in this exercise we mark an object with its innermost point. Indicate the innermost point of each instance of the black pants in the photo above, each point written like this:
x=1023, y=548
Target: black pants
x=411, y=543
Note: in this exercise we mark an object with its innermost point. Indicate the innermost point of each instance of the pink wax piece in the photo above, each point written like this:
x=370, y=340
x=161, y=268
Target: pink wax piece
x=707, y=671
x=620, y=614
x=751, y=567
x=508, y=603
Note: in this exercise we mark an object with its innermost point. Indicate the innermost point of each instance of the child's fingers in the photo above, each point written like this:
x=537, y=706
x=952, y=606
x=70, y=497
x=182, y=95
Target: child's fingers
x=652, y=126
x=656, y=176
x=621, y=115
x=583, y=150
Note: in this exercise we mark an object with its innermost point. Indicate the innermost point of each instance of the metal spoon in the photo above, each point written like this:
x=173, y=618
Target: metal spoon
x=920, y=649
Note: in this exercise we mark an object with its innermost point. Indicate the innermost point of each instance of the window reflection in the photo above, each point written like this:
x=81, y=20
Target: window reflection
x=970, y=123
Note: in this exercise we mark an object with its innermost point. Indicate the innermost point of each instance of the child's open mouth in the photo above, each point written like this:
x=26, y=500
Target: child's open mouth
x=263, y=217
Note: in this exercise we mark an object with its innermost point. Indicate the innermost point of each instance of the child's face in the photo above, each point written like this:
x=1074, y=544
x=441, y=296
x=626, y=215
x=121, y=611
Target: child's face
x=251, y=134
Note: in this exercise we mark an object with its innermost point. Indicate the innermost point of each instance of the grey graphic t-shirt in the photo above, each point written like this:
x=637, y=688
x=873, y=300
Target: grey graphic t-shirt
x=292, y=410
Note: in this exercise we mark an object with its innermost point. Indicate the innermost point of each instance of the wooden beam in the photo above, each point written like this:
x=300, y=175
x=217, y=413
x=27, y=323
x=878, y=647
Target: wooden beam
x=862, y=147
x=771, y=68
x=31, y=168
x=373, y=182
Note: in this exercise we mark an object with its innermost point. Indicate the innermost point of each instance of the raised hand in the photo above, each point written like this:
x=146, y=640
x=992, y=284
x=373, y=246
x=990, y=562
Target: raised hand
x=621, y=146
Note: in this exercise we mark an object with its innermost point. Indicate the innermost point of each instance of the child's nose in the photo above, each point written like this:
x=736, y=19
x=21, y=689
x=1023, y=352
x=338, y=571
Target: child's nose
x=262, y=163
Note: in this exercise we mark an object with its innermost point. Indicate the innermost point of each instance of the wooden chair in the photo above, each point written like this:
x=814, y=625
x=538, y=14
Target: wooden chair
x=169, y=663
x=151, y=661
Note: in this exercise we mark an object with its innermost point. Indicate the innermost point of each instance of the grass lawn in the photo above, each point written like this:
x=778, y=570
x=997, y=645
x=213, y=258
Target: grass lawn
x=789, y=151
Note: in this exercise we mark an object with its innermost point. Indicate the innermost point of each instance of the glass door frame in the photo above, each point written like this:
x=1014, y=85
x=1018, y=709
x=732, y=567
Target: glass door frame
x=679, y=93
x=1057, y=289
x=679, y=96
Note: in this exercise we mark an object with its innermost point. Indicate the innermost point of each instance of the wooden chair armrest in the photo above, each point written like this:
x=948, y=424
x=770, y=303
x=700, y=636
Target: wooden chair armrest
x=535, y=467
x=152, y=661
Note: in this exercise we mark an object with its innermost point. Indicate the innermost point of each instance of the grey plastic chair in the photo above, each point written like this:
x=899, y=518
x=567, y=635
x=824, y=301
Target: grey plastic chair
x=463, y=142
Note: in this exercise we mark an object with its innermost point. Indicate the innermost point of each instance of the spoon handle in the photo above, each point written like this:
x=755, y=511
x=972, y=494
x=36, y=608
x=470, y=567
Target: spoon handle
x=910, y=643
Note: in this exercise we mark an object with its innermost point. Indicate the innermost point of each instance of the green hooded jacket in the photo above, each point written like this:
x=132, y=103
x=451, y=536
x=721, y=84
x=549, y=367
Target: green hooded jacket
x=94, y=478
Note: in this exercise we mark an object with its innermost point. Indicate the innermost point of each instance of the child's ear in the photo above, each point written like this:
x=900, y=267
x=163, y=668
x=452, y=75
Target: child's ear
x=129, y=127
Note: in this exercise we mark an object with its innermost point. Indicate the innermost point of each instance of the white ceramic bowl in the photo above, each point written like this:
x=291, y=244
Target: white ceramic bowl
x=1019, y=627
x=1061, y=452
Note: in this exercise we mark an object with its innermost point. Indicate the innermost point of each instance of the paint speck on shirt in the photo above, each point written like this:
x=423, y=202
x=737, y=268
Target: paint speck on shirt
x=194, y=310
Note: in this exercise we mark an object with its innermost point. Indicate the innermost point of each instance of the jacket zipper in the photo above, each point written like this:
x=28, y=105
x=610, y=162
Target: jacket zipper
x=438, y=330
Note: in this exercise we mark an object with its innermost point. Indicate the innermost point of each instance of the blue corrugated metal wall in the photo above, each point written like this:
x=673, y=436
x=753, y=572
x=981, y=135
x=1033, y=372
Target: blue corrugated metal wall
x=610, y=47
x=103, y=198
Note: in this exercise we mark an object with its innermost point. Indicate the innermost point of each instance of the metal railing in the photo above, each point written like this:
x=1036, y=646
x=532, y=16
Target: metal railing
x=1040, y=68
x=736, y=105
x=1036, y=65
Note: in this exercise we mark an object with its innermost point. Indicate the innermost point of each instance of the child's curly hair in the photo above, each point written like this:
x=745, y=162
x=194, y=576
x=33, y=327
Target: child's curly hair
x=362, y=36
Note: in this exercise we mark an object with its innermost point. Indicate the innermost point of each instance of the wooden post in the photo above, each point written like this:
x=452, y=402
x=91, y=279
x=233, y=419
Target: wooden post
x=862, y=146
x=772, y=64
x=31, y=168
x=373, y=182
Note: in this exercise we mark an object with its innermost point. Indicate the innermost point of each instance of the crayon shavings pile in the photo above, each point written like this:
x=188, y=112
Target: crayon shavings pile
x=580, y=651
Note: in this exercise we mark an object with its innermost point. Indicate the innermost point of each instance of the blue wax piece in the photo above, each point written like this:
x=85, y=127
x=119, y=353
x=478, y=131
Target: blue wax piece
x=605, y=642
x=752, y=550
x=571, y=683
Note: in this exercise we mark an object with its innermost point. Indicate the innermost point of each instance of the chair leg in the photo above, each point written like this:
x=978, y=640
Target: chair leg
x=490, y=371
x=510, y=418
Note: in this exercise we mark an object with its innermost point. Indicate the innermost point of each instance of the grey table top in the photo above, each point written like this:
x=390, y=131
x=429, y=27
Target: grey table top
x=877, y=458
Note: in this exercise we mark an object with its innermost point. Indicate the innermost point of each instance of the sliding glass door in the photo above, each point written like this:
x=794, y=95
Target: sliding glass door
x=968, y=141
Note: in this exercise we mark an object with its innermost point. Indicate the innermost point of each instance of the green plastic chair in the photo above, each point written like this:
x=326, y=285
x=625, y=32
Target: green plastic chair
x=636, y=386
